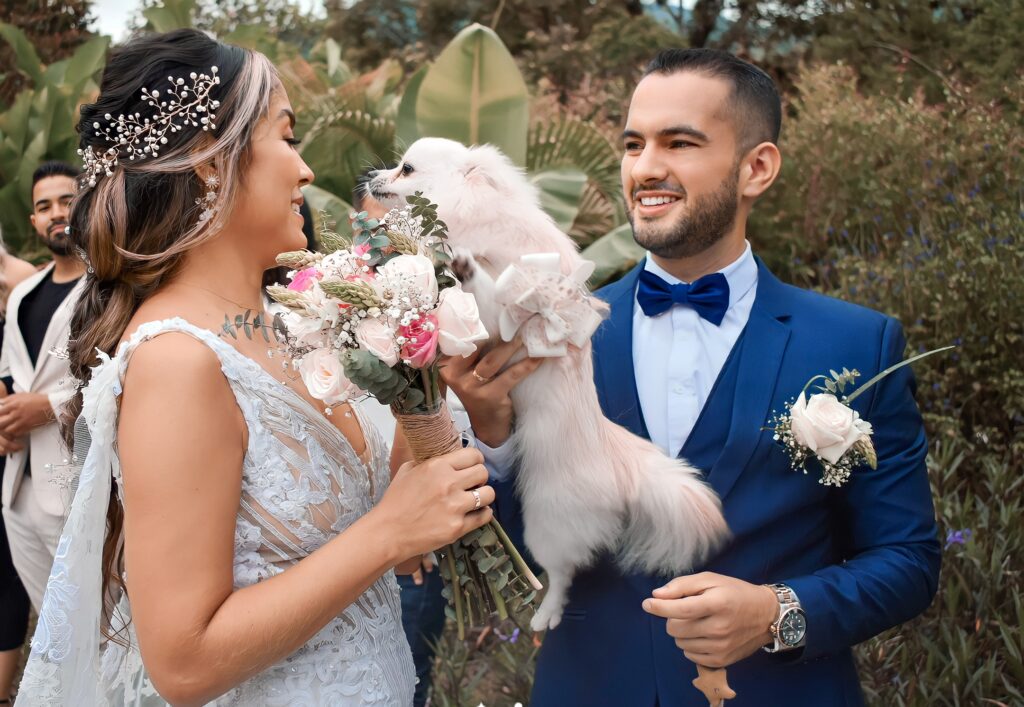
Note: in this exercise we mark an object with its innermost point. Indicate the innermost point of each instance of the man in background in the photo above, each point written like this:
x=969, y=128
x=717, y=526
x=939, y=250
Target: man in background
x=38, y=384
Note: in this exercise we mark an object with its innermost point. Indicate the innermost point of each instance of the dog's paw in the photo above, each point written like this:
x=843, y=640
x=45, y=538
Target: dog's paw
x=464, y=265
x=548, y=616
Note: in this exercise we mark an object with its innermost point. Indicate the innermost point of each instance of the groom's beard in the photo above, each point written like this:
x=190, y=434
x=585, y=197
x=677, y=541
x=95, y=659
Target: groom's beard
x=710, y=217
x=56, y=239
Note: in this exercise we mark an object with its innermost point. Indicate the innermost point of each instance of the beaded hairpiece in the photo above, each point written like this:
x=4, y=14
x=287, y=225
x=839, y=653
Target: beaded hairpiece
x=136, y=138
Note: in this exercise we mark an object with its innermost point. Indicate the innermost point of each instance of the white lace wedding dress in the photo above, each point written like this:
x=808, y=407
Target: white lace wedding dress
x=302, y=484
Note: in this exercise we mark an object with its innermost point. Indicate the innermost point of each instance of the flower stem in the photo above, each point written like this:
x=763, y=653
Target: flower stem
x=892, y=369
x=517, y=559
x=811, y=381
x=456, y=592
x=428, y=388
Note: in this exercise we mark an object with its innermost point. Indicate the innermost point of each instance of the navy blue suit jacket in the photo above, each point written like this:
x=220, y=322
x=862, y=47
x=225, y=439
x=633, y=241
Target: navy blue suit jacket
x=861, y=558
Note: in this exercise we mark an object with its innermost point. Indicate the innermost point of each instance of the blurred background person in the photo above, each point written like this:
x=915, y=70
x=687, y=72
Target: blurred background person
x=14, y=602
x=38, y=320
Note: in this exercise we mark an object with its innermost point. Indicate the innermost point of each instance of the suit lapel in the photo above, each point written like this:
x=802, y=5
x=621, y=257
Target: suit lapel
x=613, y=350
x=763, y=345
x=19, y=358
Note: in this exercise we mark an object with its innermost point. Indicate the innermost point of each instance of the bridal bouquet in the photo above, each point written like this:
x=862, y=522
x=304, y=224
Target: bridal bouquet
x=372, y=317
x=824, y=427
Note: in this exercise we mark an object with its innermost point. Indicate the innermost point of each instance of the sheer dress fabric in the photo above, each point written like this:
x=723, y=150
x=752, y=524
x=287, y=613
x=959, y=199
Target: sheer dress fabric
x=302, y=484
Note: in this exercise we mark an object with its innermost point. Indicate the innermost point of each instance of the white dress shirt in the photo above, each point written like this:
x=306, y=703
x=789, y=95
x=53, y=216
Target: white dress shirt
x=678, y=355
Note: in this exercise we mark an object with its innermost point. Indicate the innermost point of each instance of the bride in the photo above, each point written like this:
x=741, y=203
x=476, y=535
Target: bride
x=228, y=542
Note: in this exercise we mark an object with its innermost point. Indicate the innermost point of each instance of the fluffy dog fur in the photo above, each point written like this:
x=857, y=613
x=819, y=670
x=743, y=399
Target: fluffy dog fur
x=587, y=485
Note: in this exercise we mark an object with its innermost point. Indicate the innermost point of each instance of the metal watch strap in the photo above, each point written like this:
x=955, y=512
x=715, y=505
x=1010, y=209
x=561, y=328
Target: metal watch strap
x=787, y=600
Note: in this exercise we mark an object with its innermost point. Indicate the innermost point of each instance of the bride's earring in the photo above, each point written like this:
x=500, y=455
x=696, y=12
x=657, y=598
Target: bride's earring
x=209, y=200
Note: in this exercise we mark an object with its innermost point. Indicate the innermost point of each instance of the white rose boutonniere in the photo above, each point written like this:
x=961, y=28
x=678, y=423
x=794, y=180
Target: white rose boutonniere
x=824, y=427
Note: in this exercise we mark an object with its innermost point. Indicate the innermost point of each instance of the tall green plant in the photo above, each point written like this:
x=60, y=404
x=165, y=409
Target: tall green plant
x=40, y=125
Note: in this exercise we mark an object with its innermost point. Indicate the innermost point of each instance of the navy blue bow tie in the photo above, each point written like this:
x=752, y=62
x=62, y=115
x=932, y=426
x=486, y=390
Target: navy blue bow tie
x=709, y=296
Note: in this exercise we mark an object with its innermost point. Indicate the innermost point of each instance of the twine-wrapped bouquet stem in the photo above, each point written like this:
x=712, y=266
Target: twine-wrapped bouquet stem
x=484, y=573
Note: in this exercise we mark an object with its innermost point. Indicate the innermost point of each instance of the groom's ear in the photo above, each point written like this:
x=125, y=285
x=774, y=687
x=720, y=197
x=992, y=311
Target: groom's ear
x=758, y=170
x=483, y=165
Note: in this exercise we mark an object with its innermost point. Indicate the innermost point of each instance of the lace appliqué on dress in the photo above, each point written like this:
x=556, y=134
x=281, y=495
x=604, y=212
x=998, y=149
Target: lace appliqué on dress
x=302, y=484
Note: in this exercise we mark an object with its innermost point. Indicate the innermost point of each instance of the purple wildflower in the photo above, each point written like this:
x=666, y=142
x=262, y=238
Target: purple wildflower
x=958, y=537
x=511, y=638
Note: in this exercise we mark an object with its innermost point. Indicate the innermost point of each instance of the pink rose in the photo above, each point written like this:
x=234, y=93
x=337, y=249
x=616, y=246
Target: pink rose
x=378, y=339
x=459, y=321
x=361, y=250
x=420, y=348
x=304, y=279
x=826, y=426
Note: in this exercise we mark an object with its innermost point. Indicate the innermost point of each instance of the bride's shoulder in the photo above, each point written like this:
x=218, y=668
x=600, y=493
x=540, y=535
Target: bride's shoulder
x=161, y=343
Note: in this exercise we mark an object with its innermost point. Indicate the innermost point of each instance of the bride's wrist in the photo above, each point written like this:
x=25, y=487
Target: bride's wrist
x=390, y=543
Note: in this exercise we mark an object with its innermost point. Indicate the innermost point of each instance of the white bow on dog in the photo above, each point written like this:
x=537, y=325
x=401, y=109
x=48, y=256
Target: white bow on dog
x=551, y=310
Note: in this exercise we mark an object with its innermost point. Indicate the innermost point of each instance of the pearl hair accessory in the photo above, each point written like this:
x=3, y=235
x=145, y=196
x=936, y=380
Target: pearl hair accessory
x=137, y=138
x=209, y=200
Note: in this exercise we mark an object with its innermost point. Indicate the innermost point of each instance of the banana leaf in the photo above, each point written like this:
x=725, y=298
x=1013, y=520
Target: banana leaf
x=335, y=208
x=560, y=192
x=25, y=57
x=407, y=129
x=174, y=14
x=475, y=94
x=613, y=254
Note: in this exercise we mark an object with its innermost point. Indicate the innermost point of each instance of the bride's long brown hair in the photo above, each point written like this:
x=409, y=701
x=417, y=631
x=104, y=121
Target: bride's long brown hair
x=136, y=224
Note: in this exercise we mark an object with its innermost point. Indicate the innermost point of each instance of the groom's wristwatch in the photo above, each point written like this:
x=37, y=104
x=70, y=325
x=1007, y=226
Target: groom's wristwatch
x=790, y=629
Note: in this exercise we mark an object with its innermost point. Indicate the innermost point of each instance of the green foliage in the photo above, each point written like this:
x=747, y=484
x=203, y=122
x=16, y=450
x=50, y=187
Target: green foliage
x=40, y=125
x=50, y=31
x=475, y=94
x=493, y=664
x=377, y=378
x=613, y=254
x=923, y=45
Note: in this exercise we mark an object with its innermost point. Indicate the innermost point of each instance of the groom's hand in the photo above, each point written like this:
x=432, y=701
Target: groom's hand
x=716, y=620
x=483, y=384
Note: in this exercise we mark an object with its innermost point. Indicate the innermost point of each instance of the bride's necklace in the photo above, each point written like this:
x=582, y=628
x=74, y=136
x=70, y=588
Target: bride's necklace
x=243, y=307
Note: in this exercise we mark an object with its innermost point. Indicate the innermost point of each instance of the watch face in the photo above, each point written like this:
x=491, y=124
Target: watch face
x=792, y=627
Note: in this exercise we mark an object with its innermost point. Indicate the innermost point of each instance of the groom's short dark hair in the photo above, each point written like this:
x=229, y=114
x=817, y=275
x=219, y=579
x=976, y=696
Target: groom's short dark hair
x=755, y=103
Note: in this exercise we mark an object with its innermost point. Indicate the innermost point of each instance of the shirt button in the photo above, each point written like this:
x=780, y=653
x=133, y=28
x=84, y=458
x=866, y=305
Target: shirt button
x=678, y=390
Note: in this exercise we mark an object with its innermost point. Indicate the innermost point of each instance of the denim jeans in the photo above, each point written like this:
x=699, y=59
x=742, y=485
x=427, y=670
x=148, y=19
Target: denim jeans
x=423, y=621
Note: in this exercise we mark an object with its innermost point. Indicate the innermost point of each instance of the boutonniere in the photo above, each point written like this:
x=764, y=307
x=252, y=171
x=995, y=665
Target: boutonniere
x=825, y=427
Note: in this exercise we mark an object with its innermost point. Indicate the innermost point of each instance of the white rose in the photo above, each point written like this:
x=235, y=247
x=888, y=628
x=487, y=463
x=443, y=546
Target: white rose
x=325, y=308
x=458, y=321
x=826, y=426
x=324, y=377
x=304, y=328
x=411, y=272
x=377, y=338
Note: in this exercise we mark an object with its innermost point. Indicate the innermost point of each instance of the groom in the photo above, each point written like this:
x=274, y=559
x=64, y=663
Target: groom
x=810, y=570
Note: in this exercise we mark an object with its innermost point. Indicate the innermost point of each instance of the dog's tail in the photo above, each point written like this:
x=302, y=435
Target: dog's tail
x=674, y=519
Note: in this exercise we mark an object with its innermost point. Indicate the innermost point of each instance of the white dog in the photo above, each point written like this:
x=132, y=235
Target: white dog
x=586, y=484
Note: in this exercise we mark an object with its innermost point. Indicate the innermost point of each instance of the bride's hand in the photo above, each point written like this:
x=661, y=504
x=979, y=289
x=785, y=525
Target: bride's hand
x=431, y=504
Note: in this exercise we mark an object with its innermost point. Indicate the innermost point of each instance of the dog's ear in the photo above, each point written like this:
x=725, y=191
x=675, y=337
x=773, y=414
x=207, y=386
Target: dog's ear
x=484, y=164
